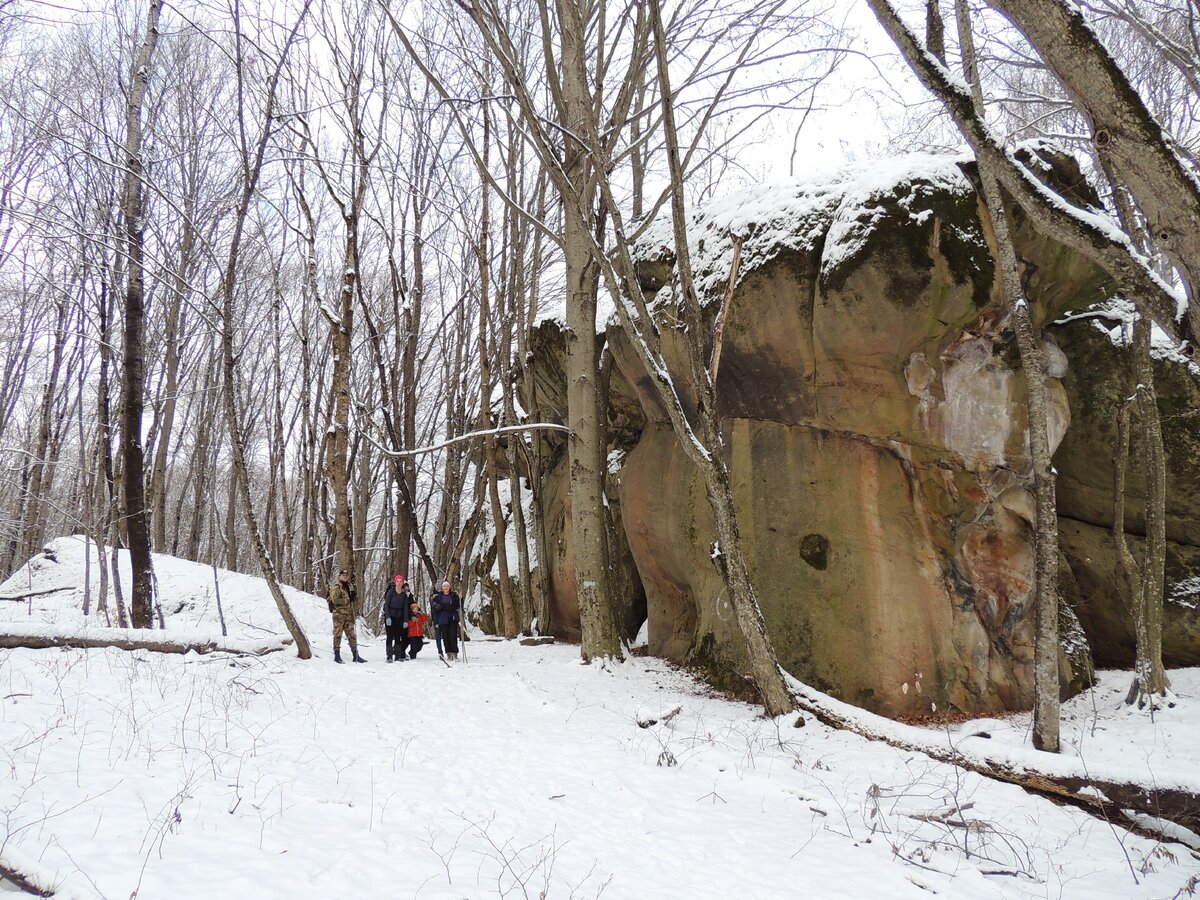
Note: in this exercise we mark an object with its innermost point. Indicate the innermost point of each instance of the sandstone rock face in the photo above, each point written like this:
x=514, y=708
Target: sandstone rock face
x=876, y=435
x=1096, y=385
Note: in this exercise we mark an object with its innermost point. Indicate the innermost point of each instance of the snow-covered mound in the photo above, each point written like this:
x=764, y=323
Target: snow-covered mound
x=194, y=597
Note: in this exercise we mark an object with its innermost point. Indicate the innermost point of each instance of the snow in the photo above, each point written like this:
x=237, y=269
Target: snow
x=1115, y=317
x=186, y=591
x=519, y=773
x=834, y=210
x=1185, y=593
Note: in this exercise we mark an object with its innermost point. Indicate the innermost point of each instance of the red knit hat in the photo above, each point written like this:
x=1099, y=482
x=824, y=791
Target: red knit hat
x=401, y=577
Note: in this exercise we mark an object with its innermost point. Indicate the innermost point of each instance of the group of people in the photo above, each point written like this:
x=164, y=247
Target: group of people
x=403, y=619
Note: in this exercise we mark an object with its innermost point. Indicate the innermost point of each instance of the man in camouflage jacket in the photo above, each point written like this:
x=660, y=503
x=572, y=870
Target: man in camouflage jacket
x=342, y=597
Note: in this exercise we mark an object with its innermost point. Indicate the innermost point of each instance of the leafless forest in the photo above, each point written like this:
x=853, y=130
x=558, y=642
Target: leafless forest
x=261, y=267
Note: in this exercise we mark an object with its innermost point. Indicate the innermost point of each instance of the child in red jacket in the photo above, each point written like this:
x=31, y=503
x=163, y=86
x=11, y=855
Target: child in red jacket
x=416, y=629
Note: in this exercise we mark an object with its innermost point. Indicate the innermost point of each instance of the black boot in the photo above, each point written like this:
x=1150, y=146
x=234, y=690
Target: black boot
x=337, y=656
x=358, y=658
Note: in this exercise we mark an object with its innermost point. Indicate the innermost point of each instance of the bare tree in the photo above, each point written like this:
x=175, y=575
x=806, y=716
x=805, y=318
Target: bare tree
x=253, y=155
x=133, y=382
x=1033, y=367
x=1144, y=582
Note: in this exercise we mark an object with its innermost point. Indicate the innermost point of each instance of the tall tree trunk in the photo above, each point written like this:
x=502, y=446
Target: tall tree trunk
x=729, y=555
x=514, y=319
x=107, y=532
x=408, y=377
x=537, y=462
x=338, y=446
x=1152, y=679
x=490, y=475
x=1144, y=583
x=133, y=384
x=1033, y=366
x=598, y=623
x=252, y=162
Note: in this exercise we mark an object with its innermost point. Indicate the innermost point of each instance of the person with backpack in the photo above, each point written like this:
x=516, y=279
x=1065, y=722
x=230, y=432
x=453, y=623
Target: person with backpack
x=342, y=598
x=445, y=607
x=396, y=602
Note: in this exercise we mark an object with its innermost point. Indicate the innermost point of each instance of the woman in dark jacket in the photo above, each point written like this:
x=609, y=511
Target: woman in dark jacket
x=396, y=603
x=445, y=606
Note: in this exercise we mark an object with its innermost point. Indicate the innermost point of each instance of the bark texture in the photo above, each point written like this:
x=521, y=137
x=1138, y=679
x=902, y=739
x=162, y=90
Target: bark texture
x=133, y=382
x=598, y=624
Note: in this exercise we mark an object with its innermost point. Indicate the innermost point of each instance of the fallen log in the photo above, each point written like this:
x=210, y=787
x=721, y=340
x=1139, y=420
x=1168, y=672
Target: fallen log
x=1165, y=796
x=17, y=598
x=119, y=639
x=10, y=876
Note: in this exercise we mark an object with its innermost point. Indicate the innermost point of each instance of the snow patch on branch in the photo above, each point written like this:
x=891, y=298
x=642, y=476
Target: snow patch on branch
x=1114, y=318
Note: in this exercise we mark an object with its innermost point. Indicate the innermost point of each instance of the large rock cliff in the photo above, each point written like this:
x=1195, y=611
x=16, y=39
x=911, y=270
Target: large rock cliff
x=876, y=435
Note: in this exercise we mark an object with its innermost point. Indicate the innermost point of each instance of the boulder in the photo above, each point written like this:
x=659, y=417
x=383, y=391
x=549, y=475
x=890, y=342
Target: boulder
x=876, y=436
x=874, y=426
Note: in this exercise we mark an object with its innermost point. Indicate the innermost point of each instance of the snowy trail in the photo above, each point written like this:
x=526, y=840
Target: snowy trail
x=310, y=779
x=519, y=773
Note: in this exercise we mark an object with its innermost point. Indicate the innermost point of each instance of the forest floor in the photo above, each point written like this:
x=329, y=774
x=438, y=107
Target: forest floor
x=517, y=772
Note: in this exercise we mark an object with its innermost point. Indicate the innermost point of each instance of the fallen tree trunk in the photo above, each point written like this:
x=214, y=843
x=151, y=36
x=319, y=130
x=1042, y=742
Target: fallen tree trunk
x=1108, y=794
x=28, y=594
x=12, y=877
x=23, y=885
x=125, y=640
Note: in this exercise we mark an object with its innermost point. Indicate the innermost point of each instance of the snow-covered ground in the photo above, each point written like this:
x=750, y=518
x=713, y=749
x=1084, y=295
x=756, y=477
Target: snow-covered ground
x=519, y=772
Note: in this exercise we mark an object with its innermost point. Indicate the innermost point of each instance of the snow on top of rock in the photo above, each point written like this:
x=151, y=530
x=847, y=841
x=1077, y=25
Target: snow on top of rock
x=836, y=210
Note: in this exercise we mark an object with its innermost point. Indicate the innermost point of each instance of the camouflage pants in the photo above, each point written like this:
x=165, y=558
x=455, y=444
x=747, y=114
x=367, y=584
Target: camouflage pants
x=343, y=621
